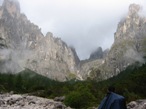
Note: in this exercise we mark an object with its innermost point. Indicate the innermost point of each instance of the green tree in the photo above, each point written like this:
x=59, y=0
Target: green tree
x=18, y=83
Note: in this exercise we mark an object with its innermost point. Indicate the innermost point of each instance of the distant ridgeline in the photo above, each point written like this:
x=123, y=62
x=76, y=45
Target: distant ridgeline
x=22, y=45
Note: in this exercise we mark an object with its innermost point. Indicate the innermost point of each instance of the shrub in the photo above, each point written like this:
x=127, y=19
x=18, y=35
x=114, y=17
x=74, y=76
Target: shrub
x=80, y=100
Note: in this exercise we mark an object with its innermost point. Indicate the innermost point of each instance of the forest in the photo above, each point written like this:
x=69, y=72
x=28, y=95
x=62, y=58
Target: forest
x=78, y=94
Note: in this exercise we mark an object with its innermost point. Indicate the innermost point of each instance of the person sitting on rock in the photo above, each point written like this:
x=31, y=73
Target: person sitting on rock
x=113, y=100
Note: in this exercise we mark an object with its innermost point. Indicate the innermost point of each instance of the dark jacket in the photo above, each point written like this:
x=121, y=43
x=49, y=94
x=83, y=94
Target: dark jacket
x=113, y=101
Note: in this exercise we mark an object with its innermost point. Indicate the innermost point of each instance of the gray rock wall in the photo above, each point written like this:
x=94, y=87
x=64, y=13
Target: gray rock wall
x=128, y=47
x=22, y=45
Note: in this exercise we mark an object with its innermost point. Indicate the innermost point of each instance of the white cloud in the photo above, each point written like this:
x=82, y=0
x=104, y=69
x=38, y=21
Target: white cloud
x=84, y=24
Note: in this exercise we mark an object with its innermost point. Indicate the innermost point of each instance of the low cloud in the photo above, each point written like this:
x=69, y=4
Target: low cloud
x=13, y=61
x=134, y=56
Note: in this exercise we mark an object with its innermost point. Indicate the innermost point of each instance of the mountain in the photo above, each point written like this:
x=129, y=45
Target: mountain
x=128, y=47
x=97, y=54
x=22, y=45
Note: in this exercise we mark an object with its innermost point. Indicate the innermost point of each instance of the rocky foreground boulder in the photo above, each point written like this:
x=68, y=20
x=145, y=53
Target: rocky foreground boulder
x=15, y=101
x=139, y=104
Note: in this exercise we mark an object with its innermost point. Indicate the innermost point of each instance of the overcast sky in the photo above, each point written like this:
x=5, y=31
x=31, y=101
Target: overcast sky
x=84, y=24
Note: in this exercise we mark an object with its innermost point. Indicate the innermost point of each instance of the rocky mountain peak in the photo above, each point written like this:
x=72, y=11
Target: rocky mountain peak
x=128, y=46
x=97, y=54
x=49, y=34
x=22, y=45
x=128, y=26
x=12, y=7
x=134, y=9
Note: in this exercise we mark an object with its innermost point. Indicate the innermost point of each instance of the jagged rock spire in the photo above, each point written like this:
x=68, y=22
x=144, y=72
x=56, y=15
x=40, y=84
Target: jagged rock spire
x=134, y=9
x=128, y=26
x=12, y=6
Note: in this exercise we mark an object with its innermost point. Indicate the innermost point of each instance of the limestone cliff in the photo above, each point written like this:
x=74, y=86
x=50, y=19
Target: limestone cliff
x=22, y=45
x=128, y=46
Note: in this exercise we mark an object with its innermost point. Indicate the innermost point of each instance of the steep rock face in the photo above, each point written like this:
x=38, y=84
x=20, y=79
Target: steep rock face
x=22, y=45
x=54, y=59
x=128, y=46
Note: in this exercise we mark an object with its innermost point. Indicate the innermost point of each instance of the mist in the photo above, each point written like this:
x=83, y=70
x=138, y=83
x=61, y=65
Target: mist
x=14, y=61
x=134, y=56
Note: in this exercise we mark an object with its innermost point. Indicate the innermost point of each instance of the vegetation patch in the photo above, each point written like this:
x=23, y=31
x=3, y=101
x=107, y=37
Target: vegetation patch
x=79, y=94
